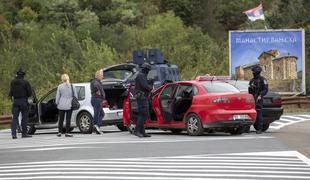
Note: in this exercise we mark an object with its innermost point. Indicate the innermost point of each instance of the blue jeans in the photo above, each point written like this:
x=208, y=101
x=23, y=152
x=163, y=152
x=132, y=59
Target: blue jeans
x=98, y=111
x=259, y=118
x=19, y=106
x=143, y=114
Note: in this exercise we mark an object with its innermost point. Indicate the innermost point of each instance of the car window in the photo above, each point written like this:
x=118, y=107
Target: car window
x=185, y=89
x=117, y=74
x=50, y=96
x=195, y=90
x=241, y=85
x=219, y=87
x=80, y=90
x=168, y=91
x=153, y=74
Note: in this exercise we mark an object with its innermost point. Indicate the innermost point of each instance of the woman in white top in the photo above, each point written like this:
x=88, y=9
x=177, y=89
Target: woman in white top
x=63, y=100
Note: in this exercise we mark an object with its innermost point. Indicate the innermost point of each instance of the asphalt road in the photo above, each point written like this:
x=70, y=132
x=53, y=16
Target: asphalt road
x=275, y=154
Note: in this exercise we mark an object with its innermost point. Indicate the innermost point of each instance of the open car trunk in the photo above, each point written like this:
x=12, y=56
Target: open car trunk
x=116, y=81
x=115, y=93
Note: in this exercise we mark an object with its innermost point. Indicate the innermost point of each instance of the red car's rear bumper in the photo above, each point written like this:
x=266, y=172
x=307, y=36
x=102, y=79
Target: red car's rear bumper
x=229, y=123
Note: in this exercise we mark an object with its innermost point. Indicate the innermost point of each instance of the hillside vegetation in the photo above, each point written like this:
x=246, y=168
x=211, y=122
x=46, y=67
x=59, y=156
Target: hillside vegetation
x=51, y=37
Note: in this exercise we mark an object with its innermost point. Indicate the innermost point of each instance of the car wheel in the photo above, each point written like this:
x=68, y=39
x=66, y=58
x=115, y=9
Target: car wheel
x=121, y=127
x=237, y=130
x=31, y=129
x=193, y=125
x=176, y=131
x=247, y=129
x=85, y=122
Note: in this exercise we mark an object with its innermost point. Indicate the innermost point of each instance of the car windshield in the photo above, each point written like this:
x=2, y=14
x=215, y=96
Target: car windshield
x=117, y=74
x=219, y=87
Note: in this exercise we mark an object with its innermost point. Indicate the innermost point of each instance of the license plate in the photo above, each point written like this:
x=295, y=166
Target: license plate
x=240, y=116
x=120, y=114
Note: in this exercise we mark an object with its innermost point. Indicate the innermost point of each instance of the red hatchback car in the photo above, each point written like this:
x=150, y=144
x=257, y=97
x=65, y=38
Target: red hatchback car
x=205, y=104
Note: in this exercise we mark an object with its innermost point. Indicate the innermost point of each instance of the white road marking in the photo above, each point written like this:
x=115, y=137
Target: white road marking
x=54, y=148
x=266, y=165
x=288, y=120
x=292, y=117
x=34, y=144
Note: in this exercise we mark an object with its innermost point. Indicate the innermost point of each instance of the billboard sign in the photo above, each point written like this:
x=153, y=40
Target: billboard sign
x=280, y=53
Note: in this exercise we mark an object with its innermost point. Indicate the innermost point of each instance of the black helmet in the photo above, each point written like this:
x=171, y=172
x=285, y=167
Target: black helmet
x=256, y=69
x=146, y=66
x=20, y=72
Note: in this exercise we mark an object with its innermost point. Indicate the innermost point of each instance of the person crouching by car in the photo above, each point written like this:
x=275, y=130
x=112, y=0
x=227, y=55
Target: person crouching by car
x=97, y=97
x=64, y=95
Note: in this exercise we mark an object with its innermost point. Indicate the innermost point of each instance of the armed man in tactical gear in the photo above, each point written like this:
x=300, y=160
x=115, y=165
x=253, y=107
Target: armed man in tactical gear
x=143, y=88
x=20, y=91
x=258, y=88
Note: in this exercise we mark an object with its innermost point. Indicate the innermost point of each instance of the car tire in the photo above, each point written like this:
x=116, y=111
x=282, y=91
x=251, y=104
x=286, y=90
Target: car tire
x=265, y=126
x=247, y=129
x=176, y=131
x=121, y=127
x=85, y=122
x=193, y=125
x=31, y=129
x=237, y=130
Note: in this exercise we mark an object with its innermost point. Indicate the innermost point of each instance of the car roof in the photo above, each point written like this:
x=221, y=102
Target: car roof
x=81, y=84
x=197, y=82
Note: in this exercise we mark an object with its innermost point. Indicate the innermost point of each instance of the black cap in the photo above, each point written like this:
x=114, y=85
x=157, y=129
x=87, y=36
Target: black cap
x=146, y=66
x=256, y=69
x=20, y=72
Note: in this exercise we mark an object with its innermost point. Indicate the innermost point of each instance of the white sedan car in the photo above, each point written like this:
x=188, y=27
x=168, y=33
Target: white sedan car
x=43, y=113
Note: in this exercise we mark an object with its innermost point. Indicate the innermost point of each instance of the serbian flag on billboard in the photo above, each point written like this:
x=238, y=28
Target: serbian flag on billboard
x=255, y=13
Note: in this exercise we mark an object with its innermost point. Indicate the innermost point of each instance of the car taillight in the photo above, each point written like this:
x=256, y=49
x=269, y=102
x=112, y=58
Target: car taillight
x=250, y=100
x=221, y=100
x=277, y=101
x=105, y=104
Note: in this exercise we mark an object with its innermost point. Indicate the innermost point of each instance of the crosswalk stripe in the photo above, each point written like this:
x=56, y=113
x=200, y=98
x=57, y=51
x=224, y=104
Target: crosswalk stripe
x=286, y=120
x=265, y=165
x=113, y=177
x=177, y=174
x=292, y=117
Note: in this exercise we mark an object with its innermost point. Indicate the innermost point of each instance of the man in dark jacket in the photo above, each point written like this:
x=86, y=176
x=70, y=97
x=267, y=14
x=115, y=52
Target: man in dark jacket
x=97, y=97
x=258, y=87
x=143, y=88
x=20, y=91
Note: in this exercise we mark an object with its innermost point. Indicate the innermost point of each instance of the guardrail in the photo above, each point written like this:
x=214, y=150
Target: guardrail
x=296, y=100
x=5, y=119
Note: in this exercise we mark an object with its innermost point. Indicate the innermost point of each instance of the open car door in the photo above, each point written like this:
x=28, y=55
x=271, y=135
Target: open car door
x=166, y=99
x=47, y=108
x=33, y=117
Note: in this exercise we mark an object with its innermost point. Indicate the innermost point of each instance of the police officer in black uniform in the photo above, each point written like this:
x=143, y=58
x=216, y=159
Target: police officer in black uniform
x=143, y=88
x=258, y=88
x=20, y=90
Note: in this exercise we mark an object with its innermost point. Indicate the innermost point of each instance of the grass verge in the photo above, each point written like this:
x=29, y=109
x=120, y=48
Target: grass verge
x=5, y=126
